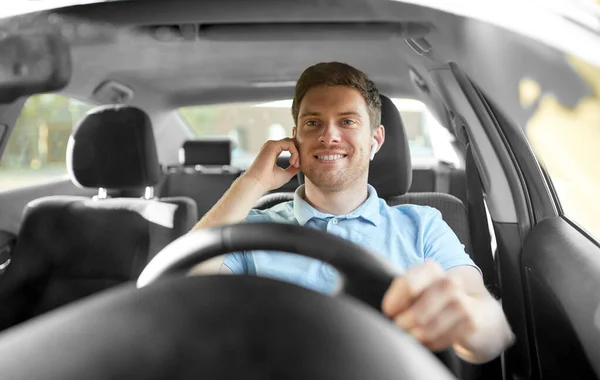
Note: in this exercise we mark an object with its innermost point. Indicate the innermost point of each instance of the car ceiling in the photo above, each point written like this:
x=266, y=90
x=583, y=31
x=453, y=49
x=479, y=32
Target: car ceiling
x=200, y=71
x=116, y=41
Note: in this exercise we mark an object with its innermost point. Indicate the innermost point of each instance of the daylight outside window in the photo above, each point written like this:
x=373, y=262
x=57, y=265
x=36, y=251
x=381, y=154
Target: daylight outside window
x=36, y=149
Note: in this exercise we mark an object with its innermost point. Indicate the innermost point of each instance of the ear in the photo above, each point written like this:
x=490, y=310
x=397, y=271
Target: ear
x=379, y=136
x=294, y=132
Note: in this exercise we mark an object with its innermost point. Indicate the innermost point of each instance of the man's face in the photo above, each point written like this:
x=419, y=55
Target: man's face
x=333, y=134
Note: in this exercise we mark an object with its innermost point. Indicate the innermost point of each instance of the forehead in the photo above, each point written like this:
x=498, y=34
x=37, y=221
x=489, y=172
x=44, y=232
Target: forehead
x=324, y=99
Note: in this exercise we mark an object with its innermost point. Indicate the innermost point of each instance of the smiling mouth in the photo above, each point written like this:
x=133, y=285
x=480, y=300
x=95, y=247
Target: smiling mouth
x=331, y=157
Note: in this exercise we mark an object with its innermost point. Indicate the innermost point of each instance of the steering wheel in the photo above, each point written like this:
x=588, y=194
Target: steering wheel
x=223, y=326
x=363, y=275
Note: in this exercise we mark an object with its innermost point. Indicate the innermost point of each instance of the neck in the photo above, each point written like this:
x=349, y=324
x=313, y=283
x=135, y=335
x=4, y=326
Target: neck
x=336, y=202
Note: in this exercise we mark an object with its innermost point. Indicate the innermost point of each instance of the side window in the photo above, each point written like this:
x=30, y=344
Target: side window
x=428, y=140
x=36, y=149
x=566, y=141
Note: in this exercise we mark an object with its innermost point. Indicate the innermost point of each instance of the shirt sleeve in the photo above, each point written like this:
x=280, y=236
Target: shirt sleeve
x=242, y=262
x=442, y=245
x=237, y=262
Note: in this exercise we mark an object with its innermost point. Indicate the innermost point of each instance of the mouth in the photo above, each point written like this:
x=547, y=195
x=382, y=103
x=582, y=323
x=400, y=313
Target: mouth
x=330, y=158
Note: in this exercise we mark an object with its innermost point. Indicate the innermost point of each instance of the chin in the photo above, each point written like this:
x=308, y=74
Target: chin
x=326, y=182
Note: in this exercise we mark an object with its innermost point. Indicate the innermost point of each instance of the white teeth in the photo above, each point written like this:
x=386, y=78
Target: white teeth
x=331, y=157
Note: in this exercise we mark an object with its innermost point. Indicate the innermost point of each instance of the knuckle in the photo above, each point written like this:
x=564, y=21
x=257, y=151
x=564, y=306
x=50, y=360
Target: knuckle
x=469, y=323
x=426, y=338
x=457, y=305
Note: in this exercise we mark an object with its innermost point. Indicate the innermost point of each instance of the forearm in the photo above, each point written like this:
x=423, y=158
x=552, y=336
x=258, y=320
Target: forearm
x=492, y=333
x=234, y=205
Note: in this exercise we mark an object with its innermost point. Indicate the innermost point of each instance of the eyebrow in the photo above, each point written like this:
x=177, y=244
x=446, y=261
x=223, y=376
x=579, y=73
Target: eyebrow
x=314, y=113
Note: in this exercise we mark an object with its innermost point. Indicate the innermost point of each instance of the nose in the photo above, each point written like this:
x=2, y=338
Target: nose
x=331, y=134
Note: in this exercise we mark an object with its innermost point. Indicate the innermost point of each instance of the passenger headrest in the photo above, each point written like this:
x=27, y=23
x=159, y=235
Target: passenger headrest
x=206, y=152
x=390, y=172
x=113, y=147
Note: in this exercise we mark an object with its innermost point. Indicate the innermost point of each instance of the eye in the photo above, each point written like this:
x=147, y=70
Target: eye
x=311, y=123
x=348, y=122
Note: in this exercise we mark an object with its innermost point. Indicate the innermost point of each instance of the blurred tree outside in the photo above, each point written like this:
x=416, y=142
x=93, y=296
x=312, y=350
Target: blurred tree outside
x=36, y=149
x=567, y=143
x=200, y=119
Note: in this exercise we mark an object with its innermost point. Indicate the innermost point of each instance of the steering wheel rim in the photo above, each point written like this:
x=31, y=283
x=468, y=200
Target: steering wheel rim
x=363, y=275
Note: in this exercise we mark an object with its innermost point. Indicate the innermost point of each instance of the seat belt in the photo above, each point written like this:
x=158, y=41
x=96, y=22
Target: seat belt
x=480, y=234
x=442, y=177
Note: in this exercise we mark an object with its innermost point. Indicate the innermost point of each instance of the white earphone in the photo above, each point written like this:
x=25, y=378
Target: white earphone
x=374, y=147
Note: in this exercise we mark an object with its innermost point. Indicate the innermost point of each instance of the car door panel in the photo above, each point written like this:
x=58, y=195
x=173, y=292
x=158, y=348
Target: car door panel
x=7, y=242
x=562, y=273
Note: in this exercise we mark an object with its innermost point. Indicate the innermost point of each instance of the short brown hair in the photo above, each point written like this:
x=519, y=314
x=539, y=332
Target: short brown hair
x=338, y=74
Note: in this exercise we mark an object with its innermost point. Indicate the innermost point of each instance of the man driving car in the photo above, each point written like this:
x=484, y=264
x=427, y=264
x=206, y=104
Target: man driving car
x=440, y=299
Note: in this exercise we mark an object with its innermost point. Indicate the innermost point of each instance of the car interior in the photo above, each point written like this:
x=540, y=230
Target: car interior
x=93, y=264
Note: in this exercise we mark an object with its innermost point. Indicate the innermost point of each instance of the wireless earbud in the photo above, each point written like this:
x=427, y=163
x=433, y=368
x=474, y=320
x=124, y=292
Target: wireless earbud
x=374, y=147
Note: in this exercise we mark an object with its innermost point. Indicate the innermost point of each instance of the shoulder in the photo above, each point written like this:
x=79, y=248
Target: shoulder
x=418, y=213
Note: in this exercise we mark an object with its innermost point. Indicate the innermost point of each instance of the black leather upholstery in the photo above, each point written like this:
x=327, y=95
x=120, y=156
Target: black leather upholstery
x=390, y=172
x=204, y=187
x=207, y=183
x=206, y=152
x=113, y=147
x=69, y=247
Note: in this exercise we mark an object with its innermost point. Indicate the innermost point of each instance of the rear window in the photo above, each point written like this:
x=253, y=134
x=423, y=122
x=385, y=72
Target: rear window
x=249, y=125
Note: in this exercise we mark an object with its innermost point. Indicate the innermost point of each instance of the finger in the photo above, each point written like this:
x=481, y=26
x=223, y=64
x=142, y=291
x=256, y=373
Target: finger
x=423, y=276
x=294, y=153
x=287, y=145
x=405, y=289
x=444, y=332
x=292, y=171
x=431, y=303
x=397, y=298
x=294, y=160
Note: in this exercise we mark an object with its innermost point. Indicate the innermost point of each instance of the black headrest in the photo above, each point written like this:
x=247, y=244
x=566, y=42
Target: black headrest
x=390, y=172
x=206, y=152
x=113, y=147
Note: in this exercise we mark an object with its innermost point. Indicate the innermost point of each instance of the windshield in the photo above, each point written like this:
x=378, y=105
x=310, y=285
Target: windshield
x=167, y=66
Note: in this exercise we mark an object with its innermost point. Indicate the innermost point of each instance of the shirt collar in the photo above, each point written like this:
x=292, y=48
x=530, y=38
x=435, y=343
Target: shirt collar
x=369, y=210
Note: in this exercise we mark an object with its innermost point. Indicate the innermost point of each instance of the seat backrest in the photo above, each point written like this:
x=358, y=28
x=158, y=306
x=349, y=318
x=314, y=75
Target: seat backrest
x=69, y=247
x=442, y=178
x=204, y=173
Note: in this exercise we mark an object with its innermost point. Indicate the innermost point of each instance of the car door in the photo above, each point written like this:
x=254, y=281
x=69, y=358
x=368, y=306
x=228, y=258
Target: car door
x=559, y=260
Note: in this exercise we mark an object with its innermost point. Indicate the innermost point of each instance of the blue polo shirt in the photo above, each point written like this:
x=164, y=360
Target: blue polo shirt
x=405, y=235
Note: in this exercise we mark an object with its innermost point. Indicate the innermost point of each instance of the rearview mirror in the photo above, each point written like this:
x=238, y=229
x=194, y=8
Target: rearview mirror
x=32, y=63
